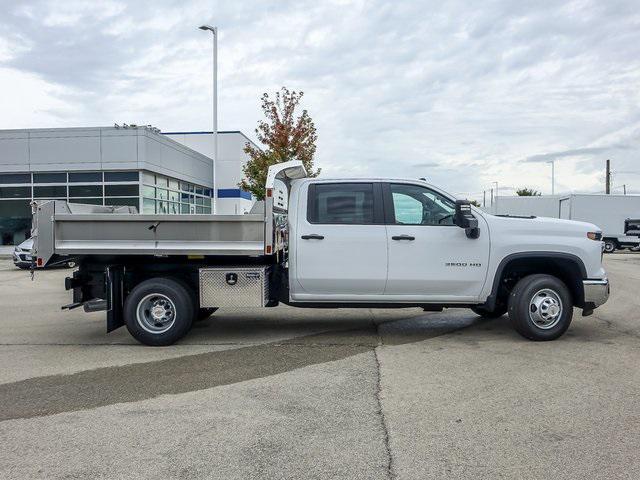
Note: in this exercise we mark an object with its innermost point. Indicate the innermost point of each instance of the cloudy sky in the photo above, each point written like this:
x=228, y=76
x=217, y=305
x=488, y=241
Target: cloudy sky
x=464, y=96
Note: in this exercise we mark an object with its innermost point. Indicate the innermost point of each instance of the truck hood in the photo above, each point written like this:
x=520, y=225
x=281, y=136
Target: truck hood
x=541, y=225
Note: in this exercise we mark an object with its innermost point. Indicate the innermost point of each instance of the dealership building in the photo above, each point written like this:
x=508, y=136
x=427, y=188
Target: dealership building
x=159, y=173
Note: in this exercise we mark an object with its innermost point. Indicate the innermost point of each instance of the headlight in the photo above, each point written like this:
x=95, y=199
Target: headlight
x=18, y=249
x=594, y=236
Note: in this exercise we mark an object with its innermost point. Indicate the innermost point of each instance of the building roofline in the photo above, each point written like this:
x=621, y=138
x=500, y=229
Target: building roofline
x=204, y=132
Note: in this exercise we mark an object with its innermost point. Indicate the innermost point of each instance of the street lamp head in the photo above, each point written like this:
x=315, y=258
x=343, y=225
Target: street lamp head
x=208, y=27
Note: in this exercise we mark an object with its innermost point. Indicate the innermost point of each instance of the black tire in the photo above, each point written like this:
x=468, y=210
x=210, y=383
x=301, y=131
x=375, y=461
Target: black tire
x=204, y=313
x=170, y=294
x=524, y=310
x=497, y=312
x=610, y=246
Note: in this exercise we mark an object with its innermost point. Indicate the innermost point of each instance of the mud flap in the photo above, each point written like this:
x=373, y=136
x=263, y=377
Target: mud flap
x=115, y=297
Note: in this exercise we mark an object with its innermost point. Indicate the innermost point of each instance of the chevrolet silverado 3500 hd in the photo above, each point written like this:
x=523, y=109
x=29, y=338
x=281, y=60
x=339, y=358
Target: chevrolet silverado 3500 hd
x=325, y=244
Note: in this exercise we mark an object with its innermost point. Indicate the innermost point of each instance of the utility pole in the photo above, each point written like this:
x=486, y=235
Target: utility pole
x=484, y=198
x=607, y=186
x=624, y=188
x=214, y=32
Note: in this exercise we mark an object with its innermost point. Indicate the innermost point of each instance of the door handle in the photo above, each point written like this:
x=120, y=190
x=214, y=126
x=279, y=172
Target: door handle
x=403, y=237
x=313, y=236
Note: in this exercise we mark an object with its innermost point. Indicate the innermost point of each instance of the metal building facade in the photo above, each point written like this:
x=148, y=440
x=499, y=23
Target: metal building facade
x=102, y=165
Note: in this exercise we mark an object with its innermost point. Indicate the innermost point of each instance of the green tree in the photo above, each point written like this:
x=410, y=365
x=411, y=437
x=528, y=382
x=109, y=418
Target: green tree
x=527, y=192
x=285, y=135
x=475, y=203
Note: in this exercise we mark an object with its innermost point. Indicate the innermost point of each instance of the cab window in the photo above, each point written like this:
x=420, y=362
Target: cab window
x=417, y=205
x=341, y=203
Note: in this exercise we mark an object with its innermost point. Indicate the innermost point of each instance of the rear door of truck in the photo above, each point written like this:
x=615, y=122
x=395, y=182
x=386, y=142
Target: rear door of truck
x=341, y=242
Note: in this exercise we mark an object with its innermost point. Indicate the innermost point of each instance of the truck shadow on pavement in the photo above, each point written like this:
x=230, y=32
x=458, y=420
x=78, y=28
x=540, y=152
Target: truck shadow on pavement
x=49, y=395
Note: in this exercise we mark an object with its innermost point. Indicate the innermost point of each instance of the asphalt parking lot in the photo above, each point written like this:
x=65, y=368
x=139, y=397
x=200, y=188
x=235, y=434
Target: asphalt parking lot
x=295, y=393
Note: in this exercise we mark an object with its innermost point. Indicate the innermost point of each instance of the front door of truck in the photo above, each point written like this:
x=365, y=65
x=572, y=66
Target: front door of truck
x=430, y=257
x=341, y=242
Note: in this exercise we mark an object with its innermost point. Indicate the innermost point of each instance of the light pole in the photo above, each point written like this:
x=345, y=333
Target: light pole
x=496, y=206
x=553, y=176
x=214, y=32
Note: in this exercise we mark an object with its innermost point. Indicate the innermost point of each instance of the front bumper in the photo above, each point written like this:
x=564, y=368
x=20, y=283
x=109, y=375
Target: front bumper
x=596, y=292
x=22, y=258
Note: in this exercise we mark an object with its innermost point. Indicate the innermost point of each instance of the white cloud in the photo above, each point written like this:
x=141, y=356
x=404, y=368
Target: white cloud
x=466, y=93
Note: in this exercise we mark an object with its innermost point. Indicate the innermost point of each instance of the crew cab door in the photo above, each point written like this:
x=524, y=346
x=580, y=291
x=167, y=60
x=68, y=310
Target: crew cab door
x=340, y=242
x=431, y=258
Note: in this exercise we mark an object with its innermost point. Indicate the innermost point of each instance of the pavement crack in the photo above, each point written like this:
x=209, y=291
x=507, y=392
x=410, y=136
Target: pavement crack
x=382, y=417
x=380, y=412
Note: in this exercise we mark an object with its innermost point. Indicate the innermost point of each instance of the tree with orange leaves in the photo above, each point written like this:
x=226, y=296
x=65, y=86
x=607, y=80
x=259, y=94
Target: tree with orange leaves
x=285, y=135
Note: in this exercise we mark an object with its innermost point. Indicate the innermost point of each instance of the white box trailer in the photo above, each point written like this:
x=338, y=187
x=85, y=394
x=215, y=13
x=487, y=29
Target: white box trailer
x=539, y=206
x=609, y=212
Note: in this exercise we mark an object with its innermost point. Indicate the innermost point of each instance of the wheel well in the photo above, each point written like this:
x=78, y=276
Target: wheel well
x=569, y=269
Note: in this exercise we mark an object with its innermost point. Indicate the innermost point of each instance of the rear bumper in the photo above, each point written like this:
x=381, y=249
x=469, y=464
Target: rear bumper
x=596, y=292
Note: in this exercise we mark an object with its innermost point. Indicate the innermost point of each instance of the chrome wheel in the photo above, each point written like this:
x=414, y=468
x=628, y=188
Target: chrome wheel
x=156, y=313
x=545, y=309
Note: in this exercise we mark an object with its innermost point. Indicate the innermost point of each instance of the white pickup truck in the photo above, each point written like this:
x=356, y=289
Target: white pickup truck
x=327, y=244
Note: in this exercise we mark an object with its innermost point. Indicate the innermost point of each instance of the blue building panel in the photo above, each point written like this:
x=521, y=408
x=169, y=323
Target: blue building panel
x=233, y=193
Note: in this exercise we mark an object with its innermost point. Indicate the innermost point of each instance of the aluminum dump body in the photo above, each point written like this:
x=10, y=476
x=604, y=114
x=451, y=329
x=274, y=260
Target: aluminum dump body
x=66, y=229
x=71, y=229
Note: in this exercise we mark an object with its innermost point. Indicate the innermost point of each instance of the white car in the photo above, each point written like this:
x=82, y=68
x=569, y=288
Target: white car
x=22, y=256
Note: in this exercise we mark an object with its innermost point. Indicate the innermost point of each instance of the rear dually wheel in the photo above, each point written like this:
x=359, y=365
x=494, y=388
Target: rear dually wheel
x=159, y=311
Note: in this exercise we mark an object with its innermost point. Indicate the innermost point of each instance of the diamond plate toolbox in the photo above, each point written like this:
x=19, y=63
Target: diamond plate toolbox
x=234, y=286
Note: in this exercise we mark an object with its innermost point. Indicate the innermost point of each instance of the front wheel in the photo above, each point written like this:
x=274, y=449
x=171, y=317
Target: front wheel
x=610, y=246
x=540, y=307
x=159, y=311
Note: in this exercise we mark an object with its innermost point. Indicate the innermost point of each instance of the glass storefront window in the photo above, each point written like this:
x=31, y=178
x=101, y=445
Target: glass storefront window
x=15, y=221
x=85, y=177
x=122, y=201
x=149, y=192
x=161, y=194
x=174, y=196
x=148, y=178
x=120, y=176
x=15, y=192
x=91, y=201
x=15, y=178
x=162, y=181
x=148, y=205
x=59, y=191
x=49, y=178
x=121, y=190
x=84, y=190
